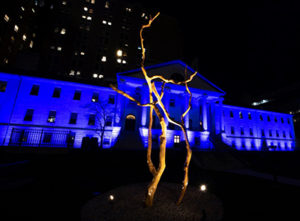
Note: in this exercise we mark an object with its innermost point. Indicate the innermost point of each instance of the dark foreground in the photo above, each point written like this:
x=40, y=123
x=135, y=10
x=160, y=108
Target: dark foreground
x=55, y=186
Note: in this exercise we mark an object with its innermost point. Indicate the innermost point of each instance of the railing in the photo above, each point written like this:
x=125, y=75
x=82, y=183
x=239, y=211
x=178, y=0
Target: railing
x=41, y=138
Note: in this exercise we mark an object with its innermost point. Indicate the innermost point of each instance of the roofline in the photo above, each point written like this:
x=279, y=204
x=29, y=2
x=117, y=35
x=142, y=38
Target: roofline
x=170, y=63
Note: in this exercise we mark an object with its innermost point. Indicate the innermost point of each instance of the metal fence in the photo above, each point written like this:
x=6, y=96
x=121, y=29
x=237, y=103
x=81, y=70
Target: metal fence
x=41, y=138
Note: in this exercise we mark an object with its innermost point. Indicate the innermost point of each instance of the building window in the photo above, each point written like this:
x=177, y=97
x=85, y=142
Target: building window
x=77, y=95
x=269, y=119
x=6, y=18
x=270, y=133
x=275, y=119
x=3, y=85
x=73, y=118
x=51, y=117
x=232, y=130
x=56, y=92
x=241, y=115
x=251, y=131
x=277, y=133
x=288, y=120
x=103, y=59
x=231, y=114
x=108, y=121
x=35, y=90
x=111, y=99
x=63, y=31
x=16, y=28
x=249, y=116
x=172, y=102
x=176, y=139
x=106, y=141
x=282, y=121
x=262, y=132
x=283, y=133
x=261, y=117
x=197, y=141
x=28, y=115
x=95, y=97
x=92, y=119
x=47, y=137
x=242, y=131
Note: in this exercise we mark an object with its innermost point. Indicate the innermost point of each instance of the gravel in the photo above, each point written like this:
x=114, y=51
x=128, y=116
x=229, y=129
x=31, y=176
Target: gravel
x=127, y=204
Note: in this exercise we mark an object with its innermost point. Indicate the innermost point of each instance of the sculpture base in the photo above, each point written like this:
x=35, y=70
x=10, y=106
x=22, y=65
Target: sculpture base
x=126, y=203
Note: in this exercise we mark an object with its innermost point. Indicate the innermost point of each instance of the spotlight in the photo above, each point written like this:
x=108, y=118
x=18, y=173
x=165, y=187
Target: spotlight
x=203, y=187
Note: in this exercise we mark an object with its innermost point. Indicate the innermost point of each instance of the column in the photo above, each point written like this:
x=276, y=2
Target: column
x=221, y=99
x=204, y=113
x=144, y=99
x=185, y=107
x=166, y=101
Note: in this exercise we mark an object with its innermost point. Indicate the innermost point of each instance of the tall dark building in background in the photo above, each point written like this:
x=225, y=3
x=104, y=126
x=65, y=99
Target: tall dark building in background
x=82, y=40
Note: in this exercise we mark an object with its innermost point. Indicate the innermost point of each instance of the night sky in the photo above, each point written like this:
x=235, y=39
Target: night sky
x=247, y=48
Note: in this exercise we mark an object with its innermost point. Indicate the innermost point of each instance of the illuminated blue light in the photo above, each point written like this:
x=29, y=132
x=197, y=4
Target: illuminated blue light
x=242, y=128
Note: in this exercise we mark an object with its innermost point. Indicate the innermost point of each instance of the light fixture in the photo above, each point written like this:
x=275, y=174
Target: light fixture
x=203, y=187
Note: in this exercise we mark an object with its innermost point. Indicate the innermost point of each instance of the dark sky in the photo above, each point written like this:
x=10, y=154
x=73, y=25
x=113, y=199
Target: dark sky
x=247, y=48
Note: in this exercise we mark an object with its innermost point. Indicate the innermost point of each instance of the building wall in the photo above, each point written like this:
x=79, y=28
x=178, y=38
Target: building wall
x=44, y=102
x=251, y=129
x=241, y=128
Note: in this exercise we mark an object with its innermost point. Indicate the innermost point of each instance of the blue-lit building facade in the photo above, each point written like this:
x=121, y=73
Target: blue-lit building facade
x=52, y=113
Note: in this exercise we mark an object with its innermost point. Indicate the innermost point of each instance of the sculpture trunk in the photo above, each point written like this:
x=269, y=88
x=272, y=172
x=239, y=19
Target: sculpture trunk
x=162, y=165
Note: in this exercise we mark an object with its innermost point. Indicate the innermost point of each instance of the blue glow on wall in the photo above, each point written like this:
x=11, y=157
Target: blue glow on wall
x=242, y=128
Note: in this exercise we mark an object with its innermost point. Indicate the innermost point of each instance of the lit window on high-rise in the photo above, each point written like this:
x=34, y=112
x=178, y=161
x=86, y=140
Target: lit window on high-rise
x=85, y=9
x=23, y=9
x=16, y=28
x=64, y=2
x=106, y=4
x=72, y=72
x=24, y=37
x=88, y=18
x=63, y=31
x=82, y=53
x=128, y=9
x=92, y=1
x=103, y=59
x=59, y=48
x=95, y=75
x=119, y=53
x=109, y=23
x=31, y=44
x=6, y=18
x=33, y=11
x=124, y=62
x=104, y=22
x=100, y=76
x=119, y=60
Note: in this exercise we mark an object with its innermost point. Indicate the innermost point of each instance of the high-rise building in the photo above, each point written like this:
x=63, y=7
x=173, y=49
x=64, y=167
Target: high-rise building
x=18, y=30
x=94, y=39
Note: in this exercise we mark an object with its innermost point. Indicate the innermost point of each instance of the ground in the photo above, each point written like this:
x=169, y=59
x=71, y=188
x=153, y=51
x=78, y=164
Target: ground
x=56, y=186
